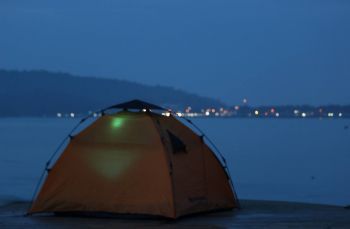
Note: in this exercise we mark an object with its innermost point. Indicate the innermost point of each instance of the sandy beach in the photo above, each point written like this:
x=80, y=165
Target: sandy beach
x=254, y=214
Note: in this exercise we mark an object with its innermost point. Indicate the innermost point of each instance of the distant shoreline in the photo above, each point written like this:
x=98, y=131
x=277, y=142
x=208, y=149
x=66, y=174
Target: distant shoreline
x=44, y=93
x=194, y=117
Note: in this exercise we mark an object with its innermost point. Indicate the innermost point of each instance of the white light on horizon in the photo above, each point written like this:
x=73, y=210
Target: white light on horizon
x=167, y=114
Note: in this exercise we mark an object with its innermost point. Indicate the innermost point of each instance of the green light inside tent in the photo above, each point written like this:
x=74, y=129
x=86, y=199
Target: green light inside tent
x=117, y=122
x=112, y=164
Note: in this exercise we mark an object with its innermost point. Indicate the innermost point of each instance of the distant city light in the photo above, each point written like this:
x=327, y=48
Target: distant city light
x=188, y=109
x=259, y=112
x=245, y=101
x=167, y=114
x=59, y=115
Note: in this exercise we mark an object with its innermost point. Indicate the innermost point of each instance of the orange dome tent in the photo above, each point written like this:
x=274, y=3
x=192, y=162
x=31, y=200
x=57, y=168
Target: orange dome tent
x=136, y=162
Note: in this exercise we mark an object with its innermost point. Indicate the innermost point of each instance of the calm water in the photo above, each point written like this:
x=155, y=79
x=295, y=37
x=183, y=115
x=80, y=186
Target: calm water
x=293, y=160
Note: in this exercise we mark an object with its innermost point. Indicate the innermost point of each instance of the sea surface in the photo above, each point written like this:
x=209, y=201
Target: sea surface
x=303, y=160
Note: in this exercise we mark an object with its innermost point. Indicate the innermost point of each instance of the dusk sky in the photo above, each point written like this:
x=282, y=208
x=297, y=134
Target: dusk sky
x=272, y=52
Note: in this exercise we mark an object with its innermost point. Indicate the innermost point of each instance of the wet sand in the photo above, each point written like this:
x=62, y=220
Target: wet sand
x=254, y=214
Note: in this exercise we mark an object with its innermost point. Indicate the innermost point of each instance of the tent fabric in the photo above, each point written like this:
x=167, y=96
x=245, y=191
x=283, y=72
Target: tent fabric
x=128, y=163
x=176, y=143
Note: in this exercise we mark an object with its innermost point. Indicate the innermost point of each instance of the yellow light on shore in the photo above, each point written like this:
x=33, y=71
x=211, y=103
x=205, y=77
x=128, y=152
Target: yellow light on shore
x=256, y=112
x=167, y=114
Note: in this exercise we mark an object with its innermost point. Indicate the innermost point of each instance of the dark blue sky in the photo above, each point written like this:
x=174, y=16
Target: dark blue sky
x=271, y=52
